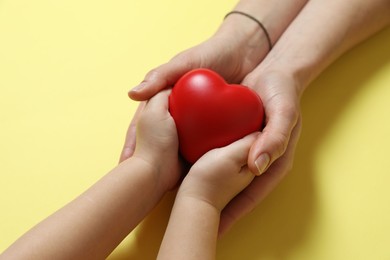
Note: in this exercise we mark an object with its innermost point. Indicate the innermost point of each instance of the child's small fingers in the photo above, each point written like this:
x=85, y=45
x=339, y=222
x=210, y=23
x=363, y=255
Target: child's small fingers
x=159, y=101
x=245, y=170
x=238, y=151
x=246, y=175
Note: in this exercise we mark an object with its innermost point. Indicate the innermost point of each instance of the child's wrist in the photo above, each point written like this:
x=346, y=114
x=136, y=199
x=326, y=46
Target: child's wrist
x=200, y=194
x=149, y=158
x=151, y=169
x=165, y=171
x=198, y=201
x=145, y=164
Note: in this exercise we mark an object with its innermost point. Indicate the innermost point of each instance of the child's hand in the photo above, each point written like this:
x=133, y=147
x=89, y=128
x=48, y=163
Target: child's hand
x=157, y=141
x=219, y=175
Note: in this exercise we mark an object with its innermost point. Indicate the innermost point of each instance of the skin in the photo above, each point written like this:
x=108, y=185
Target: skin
x=316, y=38
x=233, y=51
x=212, y=182
x=92, y=225
x=102, y=216
x=309, y=36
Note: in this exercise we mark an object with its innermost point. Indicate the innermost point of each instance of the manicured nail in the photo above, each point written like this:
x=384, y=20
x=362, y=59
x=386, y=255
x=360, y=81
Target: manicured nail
x=262, y=163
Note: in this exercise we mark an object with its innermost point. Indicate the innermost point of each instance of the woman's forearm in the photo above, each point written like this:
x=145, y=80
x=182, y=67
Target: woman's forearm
x=322, y=32
x=192, y=230
x=274, y=15
x=92, y=225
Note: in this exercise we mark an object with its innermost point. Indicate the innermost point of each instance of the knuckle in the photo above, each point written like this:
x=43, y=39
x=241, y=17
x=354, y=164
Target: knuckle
x=186, y=61
x=280, y=142
x=290, y=111
x=153, y=73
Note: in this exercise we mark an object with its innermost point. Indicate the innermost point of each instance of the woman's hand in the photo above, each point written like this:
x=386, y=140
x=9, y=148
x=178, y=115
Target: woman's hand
x=281, y=101
x=271, y=154
x=303, y=51
x=234, y=51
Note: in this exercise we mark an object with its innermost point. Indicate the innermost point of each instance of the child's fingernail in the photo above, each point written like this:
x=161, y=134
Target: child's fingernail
x=262, y=163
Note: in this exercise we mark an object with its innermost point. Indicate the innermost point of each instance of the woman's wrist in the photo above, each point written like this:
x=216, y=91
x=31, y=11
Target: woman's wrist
x=245, y=37
x=272, y=20
x=273, y=73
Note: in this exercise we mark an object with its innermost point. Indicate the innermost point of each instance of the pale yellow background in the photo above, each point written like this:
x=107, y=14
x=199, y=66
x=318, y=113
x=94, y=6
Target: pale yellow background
x=65, y=68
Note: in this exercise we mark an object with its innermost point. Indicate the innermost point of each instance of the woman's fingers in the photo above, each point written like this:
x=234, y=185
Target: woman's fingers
x=162, y=77
x=275, y=137
x=261, y=186
x=238, y=151
x=281, y=106
x=129, y=145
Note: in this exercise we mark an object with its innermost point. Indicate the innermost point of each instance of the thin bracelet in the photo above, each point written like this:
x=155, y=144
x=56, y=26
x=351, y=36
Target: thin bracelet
x=257, y=21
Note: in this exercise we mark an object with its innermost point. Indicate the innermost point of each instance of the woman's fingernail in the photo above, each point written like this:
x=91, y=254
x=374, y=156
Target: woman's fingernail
x=262, y=163
x=139, y=87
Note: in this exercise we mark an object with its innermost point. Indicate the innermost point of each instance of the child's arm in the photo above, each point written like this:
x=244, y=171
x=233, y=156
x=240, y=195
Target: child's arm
x=93, y=224
x=211, y=183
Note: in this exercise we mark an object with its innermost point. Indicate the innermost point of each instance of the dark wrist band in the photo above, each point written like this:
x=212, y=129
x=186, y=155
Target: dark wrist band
x=255, y=20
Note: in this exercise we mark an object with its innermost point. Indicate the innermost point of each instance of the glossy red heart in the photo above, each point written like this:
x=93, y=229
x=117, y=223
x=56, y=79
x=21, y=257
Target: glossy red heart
x=209, y=113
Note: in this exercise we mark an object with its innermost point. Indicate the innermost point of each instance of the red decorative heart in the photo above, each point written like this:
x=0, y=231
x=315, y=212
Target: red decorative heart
x=209, y=113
